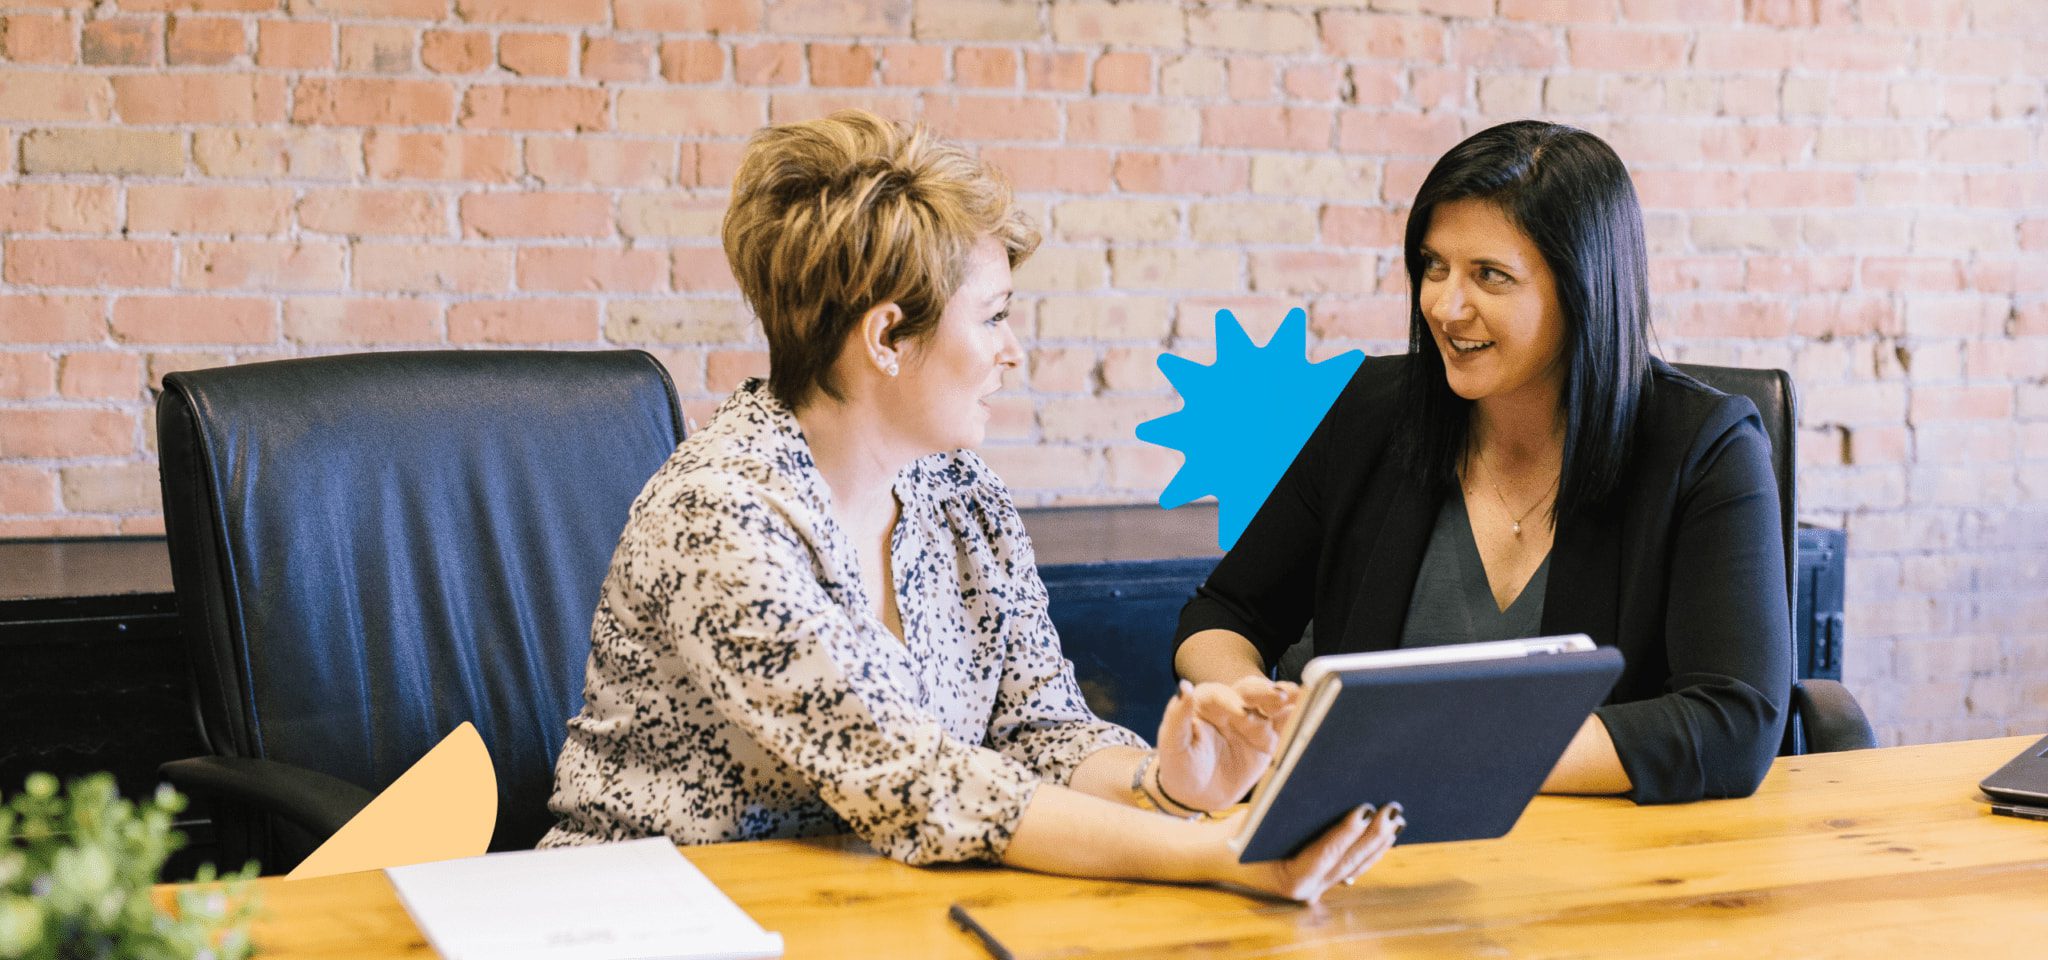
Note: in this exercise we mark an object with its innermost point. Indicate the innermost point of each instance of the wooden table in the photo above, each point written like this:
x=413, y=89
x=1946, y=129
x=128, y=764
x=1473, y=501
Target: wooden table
x=1869, y=854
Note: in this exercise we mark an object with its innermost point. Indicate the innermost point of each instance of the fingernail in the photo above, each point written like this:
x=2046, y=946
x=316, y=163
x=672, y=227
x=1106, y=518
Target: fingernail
x=1395, y=809
x=1348, y=881
x=1365, y=812
x=1399, y=826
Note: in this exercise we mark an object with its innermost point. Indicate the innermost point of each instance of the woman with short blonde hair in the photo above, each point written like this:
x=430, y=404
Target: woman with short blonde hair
x=824, y=613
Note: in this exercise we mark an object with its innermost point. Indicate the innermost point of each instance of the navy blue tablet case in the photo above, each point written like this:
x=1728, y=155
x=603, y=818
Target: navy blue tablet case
x=1462, y=746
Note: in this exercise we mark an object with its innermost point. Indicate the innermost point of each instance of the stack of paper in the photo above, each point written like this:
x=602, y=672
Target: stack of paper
x=617, y=901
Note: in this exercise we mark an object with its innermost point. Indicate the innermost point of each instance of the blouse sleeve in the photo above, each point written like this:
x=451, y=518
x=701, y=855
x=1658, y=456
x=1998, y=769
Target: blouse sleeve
x=1041, y=719
x=1727, y=637
x=732, y=592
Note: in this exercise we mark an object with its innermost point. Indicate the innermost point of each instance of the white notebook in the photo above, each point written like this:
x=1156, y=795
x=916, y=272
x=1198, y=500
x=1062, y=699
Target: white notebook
x=634, y=900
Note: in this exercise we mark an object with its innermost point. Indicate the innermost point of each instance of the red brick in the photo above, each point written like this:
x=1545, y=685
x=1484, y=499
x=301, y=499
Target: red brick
x=1266, y=128
x=559, y=161
x=701, y=269
x=523, y=321
x=1202, y=173
x=535, y=54
x=346, y=101
x=30, y=433
x=580, y=269
x=1960, y=403
x=572, y=12
x=373, y=212
x=1688, y=189
x=1737, y=318
x=617, y=60
x=377, y=48
x=1803, y=274
x=836, y=65
x=295, y=44
x=259, y=265
x=110, y=488
x=58, y=208
x=1251, y=79
x=1767, y=145
x=1851, y=50
x=1054, y=370
x=121, y=42
x=1982, y=146
x=762, y=64
x=1851, y=316
x=306, y=154
x=351, y=321
x=1088, y=22
x=36, y=38
x=1256, y=30
x=1801, y=188
x=1382, y=318
x=704, y=16
x=26, y=490
x=1921, y=275
x=207, y=41
x=1741, y=50
x=992, y=118
x=89, y=263
x=181, y=208
x=1059, y=71
x=1362, y=226
x=1377, y=36
x=189, y=319
x=1558, y=11
x=668, y=213
x=1099, y=418
x=904, y=65
x=536, y=214
x=1058, y=169
x=871, y=18
x=25, y=376
x=100, y=375
x=982, y=67
x=1603, y=48
x=36, y=318
x=456, y=51
x=1299, y=272
x=406, y=268
x=1957, y=316
x=1397, y=134
x=199, y=98
x=499, y=107
x=1322, y=82
x=725, y=370
x=692, y=113
x=473, y=158
x=1506, y=47
x=354, y=9
x=1147, y=124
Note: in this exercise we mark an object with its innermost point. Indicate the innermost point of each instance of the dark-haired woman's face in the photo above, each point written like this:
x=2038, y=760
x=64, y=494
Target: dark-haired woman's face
x=1491, y=303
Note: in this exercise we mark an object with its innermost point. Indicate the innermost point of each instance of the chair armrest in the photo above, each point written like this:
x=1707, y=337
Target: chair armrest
x=319, y=803
x=1831, y=718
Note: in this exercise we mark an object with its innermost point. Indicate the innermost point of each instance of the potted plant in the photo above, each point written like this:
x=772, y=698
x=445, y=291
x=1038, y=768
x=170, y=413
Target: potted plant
x=76, y=873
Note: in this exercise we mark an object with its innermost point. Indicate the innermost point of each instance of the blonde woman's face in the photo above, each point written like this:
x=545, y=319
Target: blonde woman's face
x=948, y=378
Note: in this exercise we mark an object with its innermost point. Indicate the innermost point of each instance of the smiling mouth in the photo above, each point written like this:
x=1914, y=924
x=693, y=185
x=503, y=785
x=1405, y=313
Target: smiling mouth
x=1467, y=347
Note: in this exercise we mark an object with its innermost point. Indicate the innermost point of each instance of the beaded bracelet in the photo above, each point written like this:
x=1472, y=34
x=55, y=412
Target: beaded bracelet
x=1141, y=794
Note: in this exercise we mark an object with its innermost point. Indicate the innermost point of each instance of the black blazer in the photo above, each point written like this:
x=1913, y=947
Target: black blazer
x=1683, y=569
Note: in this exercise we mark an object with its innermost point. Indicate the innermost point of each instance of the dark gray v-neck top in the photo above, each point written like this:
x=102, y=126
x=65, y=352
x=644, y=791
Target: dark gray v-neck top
x=1453, y=603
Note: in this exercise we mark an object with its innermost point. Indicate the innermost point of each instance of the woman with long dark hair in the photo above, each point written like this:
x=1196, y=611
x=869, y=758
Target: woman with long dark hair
x=1529, y=469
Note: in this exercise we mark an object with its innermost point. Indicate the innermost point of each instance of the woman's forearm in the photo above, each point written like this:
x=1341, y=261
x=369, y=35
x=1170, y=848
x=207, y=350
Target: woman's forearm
x=1068, y=832
x=1218, y=656
x=1106, y=773
x=1590, y=764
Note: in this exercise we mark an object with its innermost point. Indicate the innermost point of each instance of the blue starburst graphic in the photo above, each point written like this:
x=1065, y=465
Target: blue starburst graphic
x=1243, y=418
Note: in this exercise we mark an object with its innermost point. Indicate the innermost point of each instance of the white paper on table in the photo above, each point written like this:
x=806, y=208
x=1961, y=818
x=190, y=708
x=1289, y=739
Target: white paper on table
x=633, y=900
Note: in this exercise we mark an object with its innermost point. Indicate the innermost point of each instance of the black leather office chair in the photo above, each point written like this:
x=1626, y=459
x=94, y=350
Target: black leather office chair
x=369, y=550
x=1824, y=717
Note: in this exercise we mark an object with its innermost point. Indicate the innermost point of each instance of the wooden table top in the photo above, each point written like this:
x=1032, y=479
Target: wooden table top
x=1868, y=854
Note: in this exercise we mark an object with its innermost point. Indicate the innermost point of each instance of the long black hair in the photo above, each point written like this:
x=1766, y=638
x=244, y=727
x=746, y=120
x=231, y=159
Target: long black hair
x=1568, y=192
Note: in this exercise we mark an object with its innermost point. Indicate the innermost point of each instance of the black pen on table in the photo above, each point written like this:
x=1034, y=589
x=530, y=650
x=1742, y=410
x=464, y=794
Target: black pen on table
x=2020, y=810
x=966, y=922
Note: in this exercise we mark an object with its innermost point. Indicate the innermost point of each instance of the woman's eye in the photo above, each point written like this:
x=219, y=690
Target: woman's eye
x=999, y=318
x=1434, y=269
x=1490, y=275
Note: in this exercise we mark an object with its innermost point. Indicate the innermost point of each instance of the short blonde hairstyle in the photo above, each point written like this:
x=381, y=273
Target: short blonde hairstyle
x=830, y=218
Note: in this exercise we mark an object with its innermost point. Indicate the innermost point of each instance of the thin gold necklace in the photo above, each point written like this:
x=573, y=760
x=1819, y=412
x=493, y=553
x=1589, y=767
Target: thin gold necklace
x=1510, y=511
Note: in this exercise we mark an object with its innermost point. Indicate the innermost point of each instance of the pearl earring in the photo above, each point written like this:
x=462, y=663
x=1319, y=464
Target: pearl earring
x=893, y=370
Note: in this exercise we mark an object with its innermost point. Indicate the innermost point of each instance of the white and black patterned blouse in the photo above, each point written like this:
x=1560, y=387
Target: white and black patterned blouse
x=738, y=687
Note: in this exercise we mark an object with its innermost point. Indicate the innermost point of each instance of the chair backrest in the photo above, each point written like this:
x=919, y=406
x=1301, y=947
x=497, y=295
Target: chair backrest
x=370, y=549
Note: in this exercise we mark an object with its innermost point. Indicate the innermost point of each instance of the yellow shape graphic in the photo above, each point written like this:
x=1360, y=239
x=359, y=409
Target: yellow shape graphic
x=443, y=808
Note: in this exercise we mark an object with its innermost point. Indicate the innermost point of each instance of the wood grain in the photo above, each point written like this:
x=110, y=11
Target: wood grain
x=1876, y=853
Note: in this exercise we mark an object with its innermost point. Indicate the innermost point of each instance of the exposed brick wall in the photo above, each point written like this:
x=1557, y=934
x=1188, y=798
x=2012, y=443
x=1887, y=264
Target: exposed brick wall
x=1856, y=191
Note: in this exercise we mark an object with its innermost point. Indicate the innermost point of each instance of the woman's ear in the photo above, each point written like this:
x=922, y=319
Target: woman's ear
x=874, y=338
